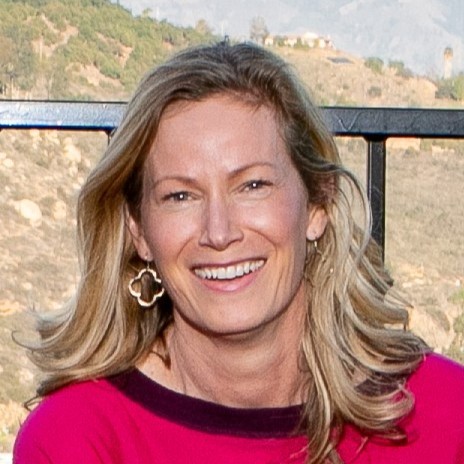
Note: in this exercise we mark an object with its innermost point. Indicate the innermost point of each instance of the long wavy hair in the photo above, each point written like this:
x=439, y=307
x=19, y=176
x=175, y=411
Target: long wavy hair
x=356, y=350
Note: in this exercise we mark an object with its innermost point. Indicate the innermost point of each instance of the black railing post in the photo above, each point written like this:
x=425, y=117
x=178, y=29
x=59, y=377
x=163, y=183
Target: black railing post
x=376, y=180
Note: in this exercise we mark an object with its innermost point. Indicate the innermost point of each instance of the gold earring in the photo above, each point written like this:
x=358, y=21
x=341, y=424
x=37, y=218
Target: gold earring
x=316, y=249
x=138, y=279
x=318, y=252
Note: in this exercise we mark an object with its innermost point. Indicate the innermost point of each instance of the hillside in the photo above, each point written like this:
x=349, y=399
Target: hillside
x=92, y=49
x=81, y=49
x=338, y=78
x=96, y=50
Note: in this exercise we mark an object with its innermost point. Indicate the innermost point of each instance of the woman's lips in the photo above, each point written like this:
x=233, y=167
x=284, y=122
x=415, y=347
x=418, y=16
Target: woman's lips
x=231, y=277
x=229, y=272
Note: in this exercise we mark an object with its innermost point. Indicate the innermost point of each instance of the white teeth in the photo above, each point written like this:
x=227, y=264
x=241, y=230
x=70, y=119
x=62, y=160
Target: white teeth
x=229, y=272
x=221, y=273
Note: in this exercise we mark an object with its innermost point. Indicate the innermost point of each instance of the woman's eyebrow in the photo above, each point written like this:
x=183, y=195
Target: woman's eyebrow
x=185, y=179
x=189, y=180
x=242, y=169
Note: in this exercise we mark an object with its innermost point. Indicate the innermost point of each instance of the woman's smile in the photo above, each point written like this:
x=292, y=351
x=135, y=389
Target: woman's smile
x=228, y=272
x=231, y=277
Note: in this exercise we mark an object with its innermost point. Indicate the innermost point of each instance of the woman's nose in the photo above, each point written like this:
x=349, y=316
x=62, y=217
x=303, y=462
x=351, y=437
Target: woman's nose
x=221, y=224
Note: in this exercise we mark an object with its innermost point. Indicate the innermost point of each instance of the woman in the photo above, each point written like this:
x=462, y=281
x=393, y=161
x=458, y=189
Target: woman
x=230, y=308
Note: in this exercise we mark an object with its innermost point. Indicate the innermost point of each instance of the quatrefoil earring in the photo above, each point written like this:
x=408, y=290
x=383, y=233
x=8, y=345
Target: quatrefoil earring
x=146, y=279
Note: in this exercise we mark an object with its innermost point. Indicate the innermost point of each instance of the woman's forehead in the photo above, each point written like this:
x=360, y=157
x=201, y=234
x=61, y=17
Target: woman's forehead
x=240, y=100
x=218, y=128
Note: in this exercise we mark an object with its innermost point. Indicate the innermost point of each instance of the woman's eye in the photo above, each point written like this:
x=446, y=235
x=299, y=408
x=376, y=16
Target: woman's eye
x=256, y=184
x=176, y=197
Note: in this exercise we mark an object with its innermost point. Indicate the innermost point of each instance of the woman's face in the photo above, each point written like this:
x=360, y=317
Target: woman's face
x=225, y=216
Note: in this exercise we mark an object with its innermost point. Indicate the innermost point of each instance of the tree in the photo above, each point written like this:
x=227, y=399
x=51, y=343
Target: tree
x=452, y=88
x=375, y=64
x=258, y=30
x=400, y=69
x=458, y=82
x=202, y=27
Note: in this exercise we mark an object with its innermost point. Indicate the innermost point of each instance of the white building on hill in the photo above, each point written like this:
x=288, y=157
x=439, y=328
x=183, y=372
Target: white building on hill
x=306, y=39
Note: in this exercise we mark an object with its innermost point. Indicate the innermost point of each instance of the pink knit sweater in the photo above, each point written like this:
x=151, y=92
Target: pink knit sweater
x=132, y=420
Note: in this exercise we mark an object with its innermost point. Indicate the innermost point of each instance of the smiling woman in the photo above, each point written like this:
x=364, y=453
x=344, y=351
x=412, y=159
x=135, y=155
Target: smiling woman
x=231, y=310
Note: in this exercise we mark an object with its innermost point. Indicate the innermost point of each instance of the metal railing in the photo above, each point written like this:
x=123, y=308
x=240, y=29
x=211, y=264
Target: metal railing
x=375, y=125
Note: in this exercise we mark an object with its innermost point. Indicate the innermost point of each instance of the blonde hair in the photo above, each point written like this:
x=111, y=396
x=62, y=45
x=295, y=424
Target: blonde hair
x=356, y=350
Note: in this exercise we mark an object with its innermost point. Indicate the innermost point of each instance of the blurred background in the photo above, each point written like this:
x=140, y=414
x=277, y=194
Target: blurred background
x=366, y=53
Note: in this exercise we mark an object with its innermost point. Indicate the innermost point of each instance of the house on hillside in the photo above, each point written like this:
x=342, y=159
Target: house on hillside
x=291, y=40
x=269, y=41
x=305, y=39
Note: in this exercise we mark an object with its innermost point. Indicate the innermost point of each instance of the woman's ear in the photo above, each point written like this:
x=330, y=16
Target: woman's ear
x=317, y=222
x=138, y=239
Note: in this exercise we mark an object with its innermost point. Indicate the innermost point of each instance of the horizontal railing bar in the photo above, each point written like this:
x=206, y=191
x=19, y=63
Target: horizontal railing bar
x=370, y=123
x=86, y=116
x=381, y=123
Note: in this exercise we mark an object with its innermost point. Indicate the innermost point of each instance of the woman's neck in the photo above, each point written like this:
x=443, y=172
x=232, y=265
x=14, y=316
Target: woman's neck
x=258, y=369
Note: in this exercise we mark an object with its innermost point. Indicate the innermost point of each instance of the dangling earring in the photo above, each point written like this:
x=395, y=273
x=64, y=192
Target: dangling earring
x=316, y=249
x=151, y=273
x=319, y=252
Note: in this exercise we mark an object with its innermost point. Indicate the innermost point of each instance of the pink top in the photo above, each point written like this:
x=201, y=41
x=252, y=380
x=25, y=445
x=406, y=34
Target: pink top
x=131, y=419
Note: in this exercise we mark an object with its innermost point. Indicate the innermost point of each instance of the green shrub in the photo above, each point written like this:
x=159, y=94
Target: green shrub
x=452, y=89
x=400, y=69
x=374, y=91
x=375, y=64
x=458, y=298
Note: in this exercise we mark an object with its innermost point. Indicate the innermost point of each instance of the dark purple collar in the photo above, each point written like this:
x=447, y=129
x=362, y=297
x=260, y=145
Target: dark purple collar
x=206, y=416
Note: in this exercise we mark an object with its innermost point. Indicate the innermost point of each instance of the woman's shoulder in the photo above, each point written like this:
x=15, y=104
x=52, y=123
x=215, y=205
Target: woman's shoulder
x=435, y=426
x=438, y=389
x=80, y=412
x=75, y=400
x=438, y=373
